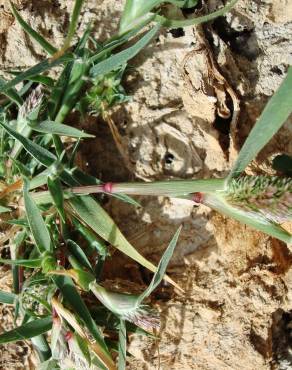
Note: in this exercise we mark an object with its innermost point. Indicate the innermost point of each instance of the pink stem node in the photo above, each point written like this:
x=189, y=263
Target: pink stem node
x=198, y=197
x=107, y=187
x=68, y=336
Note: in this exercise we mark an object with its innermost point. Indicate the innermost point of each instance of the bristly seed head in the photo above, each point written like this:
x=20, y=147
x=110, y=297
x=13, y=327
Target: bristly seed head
x=270, y=196
x=32, y=102
x=143, y=316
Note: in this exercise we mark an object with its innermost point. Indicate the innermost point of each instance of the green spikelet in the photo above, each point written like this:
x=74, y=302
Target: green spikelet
x=270, y=196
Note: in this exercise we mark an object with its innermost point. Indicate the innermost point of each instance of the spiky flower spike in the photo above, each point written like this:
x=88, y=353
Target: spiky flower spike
x=270, y=196
x=32, y=102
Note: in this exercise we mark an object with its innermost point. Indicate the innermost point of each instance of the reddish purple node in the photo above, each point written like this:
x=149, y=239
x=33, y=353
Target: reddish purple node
x=55, y=313
x=68, y=336
x=198, y=197
x=107, y=187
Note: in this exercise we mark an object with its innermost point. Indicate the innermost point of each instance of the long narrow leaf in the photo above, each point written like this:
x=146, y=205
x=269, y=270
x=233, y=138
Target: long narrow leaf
x=42, y=348
x=122, y=57
x=7, y=297
x=29, y=263
x=51, y=127
x=72, y=296
x=161, y=269
x=12, y=94
x=41, y=154
x=44, y=80
x=272, y=118
x=91, y=213
x=36, y=223
x=50, y=49
x=4, y=209
x=73, y=23
x=79, y=254
x=27, y=331
x=35, y=70
x=122, y=345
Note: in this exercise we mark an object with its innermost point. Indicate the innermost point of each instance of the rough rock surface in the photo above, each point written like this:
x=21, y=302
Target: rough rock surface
x=237, y=308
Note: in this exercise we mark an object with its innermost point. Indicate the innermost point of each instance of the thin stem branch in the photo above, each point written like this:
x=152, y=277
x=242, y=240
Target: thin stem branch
x=166, y=188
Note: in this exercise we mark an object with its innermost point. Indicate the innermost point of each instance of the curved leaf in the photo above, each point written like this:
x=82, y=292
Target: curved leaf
x=35, y=70
x=272, y=118
x=27, y=331
x=41, y=154
x=54, y=128
x=91, y=213
x=35, y=35
x=30, y=263
x=7, y=297
x=36, y=223
x=122, y=57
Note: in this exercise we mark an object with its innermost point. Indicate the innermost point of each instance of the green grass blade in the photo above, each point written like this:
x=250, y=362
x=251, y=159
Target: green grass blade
x=78, y=253
x=73, y=23
x=51, y=127
x=62, y=86
x=18, y=222
x=124, y=56
x=272, y=118
x=87, y=210
x=37, y=225
x=35, y=70
x=135, y=11
x=7, y=297
x=50, y=49
x=56, y=191
x=42, y=348
x=44, y=80
x=161, y=269
x=27, y=331
x=115, y=42
x=254, y=220
x=72, y=296
x=122, y=345
x=31, y=263
x=78, y=76
x=191, y=22
x=42, y=155
x=4, y=209
x=12, y=94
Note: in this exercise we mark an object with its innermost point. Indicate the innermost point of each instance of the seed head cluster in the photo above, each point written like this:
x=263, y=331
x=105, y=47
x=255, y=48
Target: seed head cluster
x=32, y=102
x=143, y=316
x=270, y=196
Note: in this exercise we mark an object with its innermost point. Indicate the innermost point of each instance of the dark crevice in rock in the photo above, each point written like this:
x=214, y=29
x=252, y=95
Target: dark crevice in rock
x=243, y=42
x=282, y=340
x=177, y=32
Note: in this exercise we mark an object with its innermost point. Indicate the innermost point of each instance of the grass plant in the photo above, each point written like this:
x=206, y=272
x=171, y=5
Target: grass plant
x=58, y=234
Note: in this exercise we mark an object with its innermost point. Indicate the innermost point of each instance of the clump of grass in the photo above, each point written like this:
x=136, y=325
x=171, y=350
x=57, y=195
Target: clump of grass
x=58, y=234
